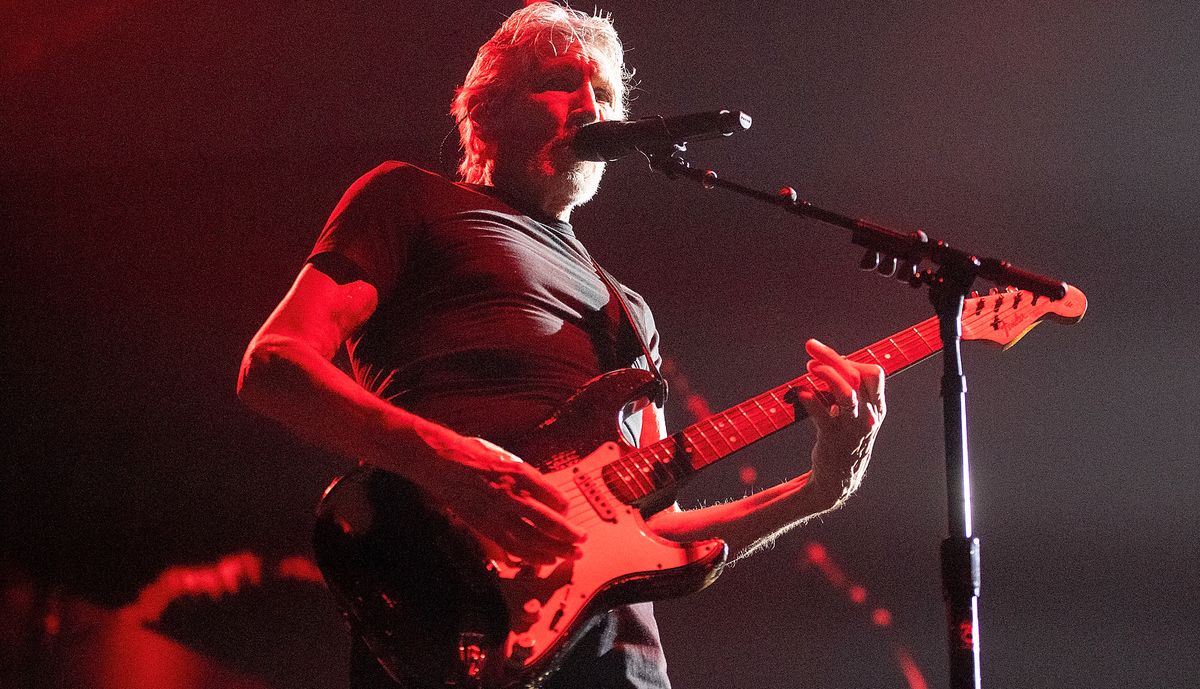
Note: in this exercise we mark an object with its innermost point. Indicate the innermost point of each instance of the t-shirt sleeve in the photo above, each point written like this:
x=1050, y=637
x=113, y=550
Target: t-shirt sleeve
x=373, y=225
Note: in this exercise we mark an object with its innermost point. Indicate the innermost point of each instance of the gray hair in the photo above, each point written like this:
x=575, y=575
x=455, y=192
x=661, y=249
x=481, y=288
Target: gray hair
x=536, y=30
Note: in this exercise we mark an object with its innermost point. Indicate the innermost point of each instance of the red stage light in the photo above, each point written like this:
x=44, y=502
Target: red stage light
x=882, y=617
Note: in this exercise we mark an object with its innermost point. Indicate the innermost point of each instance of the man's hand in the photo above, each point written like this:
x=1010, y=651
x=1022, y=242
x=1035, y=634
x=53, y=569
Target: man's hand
x=846, y=428
x=501, y=497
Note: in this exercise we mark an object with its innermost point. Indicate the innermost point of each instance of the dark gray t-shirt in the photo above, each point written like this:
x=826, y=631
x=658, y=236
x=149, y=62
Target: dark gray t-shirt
x=488, y=319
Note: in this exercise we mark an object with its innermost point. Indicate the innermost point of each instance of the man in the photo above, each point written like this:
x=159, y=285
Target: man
x=472, y=311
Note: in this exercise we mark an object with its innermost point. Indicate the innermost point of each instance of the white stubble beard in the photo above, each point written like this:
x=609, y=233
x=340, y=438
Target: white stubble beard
x=581, y=181
x=553, y=179
x=564, y=181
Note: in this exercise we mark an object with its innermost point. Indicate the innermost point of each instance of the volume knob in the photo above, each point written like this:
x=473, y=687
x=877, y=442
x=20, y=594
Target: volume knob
x=532, y=607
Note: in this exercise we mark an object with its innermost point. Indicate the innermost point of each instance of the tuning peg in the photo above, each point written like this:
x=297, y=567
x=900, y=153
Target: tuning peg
x=993, y=291
x=870, y=261
x=888, y=267
x=906, y=272
x=974, y=294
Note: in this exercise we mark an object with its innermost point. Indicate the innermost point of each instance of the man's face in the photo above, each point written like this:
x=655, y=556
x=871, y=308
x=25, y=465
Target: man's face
x=532, y=133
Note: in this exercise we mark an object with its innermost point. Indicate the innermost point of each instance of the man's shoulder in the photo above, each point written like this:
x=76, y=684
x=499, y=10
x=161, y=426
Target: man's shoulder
x=401, y=181
x=398, y=172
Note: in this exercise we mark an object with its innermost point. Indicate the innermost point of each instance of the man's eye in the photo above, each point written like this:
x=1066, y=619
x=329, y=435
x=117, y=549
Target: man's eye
x=559, y=82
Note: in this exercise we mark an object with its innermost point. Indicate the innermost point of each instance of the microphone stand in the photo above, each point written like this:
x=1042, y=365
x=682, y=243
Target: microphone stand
x=899, y=255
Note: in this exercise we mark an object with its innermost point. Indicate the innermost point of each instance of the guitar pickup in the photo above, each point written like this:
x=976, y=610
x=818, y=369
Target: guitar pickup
x=592, y=490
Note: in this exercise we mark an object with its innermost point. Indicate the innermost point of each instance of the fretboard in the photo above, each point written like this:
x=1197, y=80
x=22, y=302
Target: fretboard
x=659, y=466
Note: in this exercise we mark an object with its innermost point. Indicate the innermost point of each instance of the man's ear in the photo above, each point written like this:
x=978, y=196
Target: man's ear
x=483, y=123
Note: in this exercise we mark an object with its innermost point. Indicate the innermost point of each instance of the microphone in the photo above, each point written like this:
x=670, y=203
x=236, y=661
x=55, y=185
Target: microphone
x=606, y=141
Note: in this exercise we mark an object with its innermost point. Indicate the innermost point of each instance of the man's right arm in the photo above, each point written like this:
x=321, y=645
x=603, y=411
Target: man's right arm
x=287, y=374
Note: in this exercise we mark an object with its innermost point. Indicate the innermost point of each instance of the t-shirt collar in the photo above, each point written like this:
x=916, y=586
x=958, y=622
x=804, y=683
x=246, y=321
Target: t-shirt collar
x=536, y=214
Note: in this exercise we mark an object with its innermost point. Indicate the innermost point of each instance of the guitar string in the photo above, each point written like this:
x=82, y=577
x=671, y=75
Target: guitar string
x=900, y=341
x=905, y=342
x=639, y=453
x=755, y=417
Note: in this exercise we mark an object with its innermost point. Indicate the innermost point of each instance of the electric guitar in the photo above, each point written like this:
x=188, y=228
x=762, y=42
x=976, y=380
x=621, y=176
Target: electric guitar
x=441, y=606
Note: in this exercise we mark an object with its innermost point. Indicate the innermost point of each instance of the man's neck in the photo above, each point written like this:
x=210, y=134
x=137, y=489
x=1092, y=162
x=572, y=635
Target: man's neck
x=543, y=203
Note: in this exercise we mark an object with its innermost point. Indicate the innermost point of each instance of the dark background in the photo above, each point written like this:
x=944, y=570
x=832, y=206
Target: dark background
x=166, y=167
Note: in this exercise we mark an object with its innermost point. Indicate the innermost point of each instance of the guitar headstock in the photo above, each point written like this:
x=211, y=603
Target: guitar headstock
x=1005, y=316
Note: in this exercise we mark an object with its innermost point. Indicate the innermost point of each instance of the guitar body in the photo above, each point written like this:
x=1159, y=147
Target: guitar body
x=440, y=606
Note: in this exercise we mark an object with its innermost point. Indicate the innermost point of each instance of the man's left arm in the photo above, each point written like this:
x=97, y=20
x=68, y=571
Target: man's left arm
x=846, y=432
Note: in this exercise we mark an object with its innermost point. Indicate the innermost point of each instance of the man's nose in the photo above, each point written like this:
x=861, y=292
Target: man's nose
x=586, y=109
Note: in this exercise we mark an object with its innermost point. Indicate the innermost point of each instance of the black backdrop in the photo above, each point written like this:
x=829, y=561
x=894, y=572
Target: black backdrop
x=167, y=165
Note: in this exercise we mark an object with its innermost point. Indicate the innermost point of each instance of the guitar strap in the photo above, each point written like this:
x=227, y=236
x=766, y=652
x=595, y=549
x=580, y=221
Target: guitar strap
x=660, y=397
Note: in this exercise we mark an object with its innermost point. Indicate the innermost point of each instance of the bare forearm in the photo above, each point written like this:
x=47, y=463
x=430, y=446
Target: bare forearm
x=751, y=522
x=294, y=385
x=503, y=498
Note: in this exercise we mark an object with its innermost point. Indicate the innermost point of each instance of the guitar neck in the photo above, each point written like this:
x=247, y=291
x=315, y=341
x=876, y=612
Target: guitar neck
x=659, y=466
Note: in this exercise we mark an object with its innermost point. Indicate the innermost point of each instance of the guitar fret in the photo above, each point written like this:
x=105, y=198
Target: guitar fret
x=888, y=357
x=677, y=468
x=657, y=472
x=748, y=421
x=622, y=471
x=871, y=358
x=767, y=415
x=677, y=455
x=822, y=390
x=675, y=465
x=922, y=339
x=903, y=355
x=661, y=470
x=644, y=469
x=737, y=426
x=634, y=470
x=784, y=408
x=932, y=333
x=753, y=426
x=705, y=457
x=699, y=456
x=718, y=427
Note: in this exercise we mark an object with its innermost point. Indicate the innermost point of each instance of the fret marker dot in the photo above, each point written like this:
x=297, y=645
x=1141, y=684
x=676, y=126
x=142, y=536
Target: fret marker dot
x=771, y=410
x=732, y=439
x=887, y=356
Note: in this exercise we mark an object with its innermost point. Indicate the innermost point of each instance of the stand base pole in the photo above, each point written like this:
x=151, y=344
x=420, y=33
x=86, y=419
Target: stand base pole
x=960, y=587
